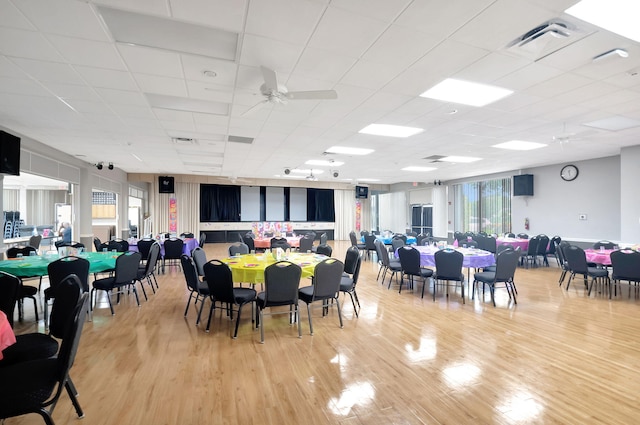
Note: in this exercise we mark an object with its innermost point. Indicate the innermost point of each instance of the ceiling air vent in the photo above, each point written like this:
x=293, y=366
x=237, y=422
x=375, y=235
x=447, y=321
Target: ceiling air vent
x=184, y=141
x=240, y=139
x=544, y=39
x=434, y=158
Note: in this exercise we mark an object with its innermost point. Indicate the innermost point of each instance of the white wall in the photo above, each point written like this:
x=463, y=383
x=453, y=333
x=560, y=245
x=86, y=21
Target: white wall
x=629, y=199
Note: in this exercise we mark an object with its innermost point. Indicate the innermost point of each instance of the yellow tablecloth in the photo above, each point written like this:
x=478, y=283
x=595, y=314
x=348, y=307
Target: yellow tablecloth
x=250, y=268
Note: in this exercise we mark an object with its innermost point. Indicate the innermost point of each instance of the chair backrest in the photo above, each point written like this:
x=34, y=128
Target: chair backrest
x=457, y=235
x=449, y=264
x=420, y=238
x=575, y=256
x=533, y=246
x=190, y=272
x=202, y=240
x=503, y=247
x=97, y=244
x=356, y=273
x=324, y=249
x=383, y=255
x=326, y=278
x=35, y=240
x=70, y=289
x=173, y=248
x=323, y=239
x=306, y=243
x=199, y=259
x=553, y=243
x=127, y=267
x=268, y=234
x=401, y=236
x=9, y=286
x=351, y=259
x=152, y=258
x=220, y=281
x=238, y=248
x=506, y=265
x=543, y=243
x=353, y=238
x=523, y=236
x=409, y=260
x=604, y=244
x=469, y=243
x=560, y=250
x=281, y=281
x=626, y=265
x=59, y=269
x=120, y=245
x=248, y=240
x=280, y=243
x=368, y=241
x=64, y=304
x=187, y=235
x=487, y=243
x=144, y=245
x=397, y=243
x=15, y=250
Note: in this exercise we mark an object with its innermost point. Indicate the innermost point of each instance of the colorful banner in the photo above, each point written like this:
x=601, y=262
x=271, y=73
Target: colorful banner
x=275, y=227
x=358, y=215
x=173, y=215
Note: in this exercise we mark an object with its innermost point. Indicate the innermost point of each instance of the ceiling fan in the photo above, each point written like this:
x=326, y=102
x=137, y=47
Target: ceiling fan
x=275, y=93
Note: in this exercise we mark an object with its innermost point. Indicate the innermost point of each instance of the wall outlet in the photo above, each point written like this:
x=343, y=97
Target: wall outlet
x=582, y=216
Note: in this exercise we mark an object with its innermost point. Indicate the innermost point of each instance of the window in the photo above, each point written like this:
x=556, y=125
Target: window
x=483, y=206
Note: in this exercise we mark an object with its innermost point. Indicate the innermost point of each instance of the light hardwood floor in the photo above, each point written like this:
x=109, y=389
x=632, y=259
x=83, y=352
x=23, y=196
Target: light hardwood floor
x=558, y=357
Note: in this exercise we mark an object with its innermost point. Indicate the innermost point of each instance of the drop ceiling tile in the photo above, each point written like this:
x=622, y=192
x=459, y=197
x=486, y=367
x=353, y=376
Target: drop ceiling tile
x=11, y=16
x=558, y=85
x=170, y=115
x=277, y=55
x=49, y=71
x=122, y=97
x=401, y=46
x=64, y=17
x=382, y=10
x=301, y=18
x=527, y=76
x=161, y=85
x=88, y=52
x=451, y=15
x=199, y=90
x=85, y=107
x=73, y=91
x=150, y=61
x=133, y=111
x=178, y=126
x=226, y=14
x=195, y=66
x=491, y=67
x=107, y=78
x=323, y=64
x=371, y=75
x=27, y=44
x=22, y=87
x=10, y=70
x=345, y=33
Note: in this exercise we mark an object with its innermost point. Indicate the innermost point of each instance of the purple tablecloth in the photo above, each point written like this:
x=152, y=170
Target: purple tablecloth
x=514, y=242
x=473, y=258
x=189, y=245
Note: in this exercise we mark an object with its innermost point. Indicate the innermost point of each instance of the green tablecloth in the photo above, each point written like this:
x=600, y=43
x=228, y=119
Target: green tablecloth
x=37, y=265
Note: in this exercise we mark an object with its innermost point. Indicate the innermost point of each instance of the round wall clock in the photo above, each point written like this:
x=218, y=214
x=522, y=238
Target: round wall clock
x=569, y=172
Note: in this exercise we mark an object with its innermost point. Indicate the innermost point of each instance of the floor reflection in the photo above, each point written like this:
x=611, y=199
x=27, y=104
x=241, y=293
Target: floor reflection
x=355, y=394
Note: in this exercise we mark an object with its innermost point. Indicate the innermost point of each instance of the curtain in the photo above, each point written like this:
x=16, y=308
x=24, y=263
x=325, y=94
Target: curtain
x=187, y=201
x=10, y=200
x=219, y=203
x=345, y=206
x=320, y=206
x=41, y=206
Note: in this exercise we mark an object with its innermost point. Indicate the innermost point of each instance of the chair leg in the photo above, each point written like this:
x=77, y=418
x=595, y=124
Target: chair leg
x=339, y=312
x=235, y=333
x=261, y=325
x=71, y=390
x=355, y=310
x=296, y=309
x=211, y=308
x=310, y=323
x=186, y=310
x=200, y=310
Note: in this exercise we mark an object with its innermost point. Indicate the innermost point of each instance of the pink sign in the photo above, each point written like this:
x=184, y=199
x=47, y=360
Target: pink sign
x=173, y=215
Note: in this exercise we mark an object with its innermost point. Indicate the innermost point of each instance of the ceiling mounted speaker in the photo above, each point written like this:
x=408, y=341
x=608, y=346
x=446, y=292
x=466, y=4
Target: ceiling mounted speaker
x=287, y=171
x=335, y=174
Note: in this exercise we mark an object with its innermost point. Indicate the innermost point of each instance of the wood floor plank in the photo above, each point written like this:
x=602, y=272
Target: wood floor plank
x=557, y=357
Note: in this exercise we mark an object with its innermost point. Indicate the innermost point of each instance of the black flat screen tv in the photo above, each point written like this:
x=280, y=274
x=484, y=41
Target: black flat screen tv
x=523, y=185
x=9, y=154
x=166, y=184
x=362, y=192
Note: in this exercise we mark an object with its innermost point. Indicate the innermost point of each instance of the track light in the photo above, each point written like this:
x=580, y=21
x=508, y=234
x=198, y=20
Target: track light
x=437, y=183
x=111, y=166
x=99, y=165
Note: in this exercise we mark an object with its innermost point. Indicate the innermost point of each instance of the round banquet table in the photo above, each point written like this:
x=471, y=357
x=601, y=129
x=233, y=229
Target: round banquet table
x=7, y=337
x=36, y=265
x=515, y=243
x=249, y=268
x=599, y=256
x=473, y=258
x=293, y=241
x=189, y=245
x=411, y=240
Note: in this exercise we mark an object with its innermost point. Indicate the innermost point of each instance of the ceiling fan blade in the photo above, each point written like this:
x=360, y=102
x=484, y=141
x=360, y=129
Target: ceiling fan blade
x=270, y=80
x=254, y=108
x=313, y=94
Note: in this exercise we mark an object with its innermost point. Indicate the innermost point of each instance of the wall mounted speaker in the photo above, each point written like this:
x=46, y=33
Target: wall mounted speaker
x=335, y=174
x=166, y=184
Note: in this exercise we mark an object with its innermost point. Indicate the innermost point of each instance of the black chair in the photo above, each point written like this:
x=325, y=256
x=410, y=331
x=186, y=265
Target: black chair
x=551, y=250
x=348, y=284
x=220, y=281
x=202, y=240
x=120, y=245
x=324, y=250
x=448, y=268
x=146, y=273
x=326, y=286
x=200, y=259
x=396, y=243
x=172, y=252
x=306, y=244
x=421, y=237
x=25, y=291
x=530, y=256
x=469, y=244
x=98, y=245
x=125, y=276
x=541, y=251
x=187, y=235
x=354, y=241
x=499, y=249
x=248, y=240
x=522, y=236
x=35, y=386
x=58, y=271
x=280, y=243
x=506, y=265
x=626, y=267
x=604, y=245
x=369, y=245
x=238, y=248
x=144, y=245
x=387, y=265
x=323, y=241
x=35, y=240
x=351, y=260
x=577, y=263
x=9, y=290
x=281, y=281
x=564, y=265
x=198, y=290
x=410, y=263
x=509, y=235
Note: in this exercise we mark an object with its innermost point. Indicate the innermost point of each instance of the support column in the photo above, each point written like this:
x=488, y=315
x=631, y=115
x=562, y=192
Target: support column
x=82, y=200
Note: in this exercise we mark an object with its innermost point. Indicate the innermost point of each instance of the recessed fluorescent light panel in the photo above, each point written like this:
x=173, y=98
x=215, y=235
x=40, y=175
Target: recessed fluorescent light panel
x=421, y=169
x=306, y=171
x=466, y=92
x=459, y=159
x=617, y=16
x=176, y=103
x=519, y=145
x=614, y=123
x=390, y=130
x=349, y=151
x=324, y=163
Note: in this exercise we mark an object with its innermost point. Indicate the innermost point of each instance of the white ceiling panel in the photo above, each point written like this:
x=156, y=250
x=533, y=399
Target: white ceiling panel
x=55, y=72
x=27, y=44
x=301, y=18
x=225, y=14
x=277, y=55
x=107, y=78
x=88, y=52
x=161, y=85
x=12, y=17
x=146, y=60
